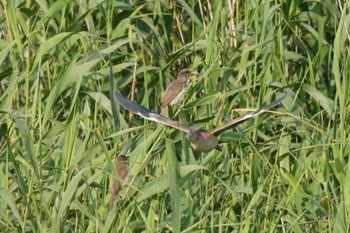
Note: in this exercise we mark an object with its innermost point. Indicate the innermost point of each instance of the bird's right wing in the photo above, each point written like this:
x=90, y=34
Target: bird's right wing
x=244, y=118
x=148, y=114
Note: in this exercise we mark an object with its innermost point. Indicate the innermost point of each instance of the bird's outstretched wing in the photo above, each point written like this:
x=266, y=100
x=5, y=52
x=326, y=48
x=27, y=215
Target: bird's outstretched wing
x=148, y=114
x=244, y=118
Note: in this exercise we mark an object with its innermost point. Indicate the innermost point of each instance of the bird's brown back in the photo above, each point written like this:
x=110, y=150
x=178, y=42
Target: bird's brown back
x=173, y=90
x=176, y=87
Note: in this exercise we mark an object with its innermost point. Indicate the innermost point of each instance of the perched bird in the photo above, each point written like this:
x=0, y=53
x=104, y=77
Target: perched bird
x=175, y=92
x=201, y=140
x=122, y=170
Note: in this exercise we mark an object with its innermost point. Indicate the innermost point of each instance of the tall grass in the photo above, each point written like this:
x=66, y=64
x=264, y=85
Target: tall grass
x=61, y=130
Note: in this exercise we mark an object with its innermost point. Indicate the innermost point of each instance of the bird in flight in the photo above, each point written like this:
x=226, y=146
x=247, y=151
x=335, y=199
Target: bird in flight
x=201, y=140
x=175, y=92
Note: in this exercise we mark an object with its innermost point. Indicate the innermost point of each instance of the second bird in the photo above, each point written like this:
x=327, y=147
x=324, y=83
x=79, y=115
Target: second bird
x=175, y=92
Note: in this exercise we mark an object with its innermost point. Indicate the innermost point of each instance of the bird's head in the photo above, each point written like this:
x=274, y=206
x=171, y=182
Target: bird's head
x=191, y=136
x=186, y=73
x=202, y=140
x=195, y=135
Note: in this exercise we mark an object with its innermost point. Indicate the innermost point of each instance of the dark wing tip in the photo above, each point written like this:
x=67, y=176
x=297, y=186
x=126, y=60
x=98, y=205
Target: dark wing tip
x=147, y=113
x=269, y=106
x=244, y=118
x=132, y=106
x=274, y=103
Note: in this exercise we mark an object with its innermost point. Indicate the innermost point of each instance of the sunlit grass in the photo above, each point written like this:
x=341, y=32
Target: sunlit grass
x=61, y=131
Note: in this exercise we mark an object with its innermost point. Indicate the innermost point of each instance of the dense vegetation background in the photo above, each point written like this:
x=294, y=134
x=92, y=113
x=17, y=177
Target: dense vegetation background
x=286, y=171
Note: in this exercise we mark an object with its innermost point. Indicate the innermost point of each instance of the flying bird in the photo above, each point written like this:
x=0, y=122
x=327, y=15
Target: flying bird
x=201, y=140
x=176, y=90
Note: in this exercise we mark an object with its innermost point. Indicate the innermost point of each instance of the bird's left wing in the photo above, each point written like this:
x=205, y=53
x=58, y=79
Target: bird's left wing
x=148, y=114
